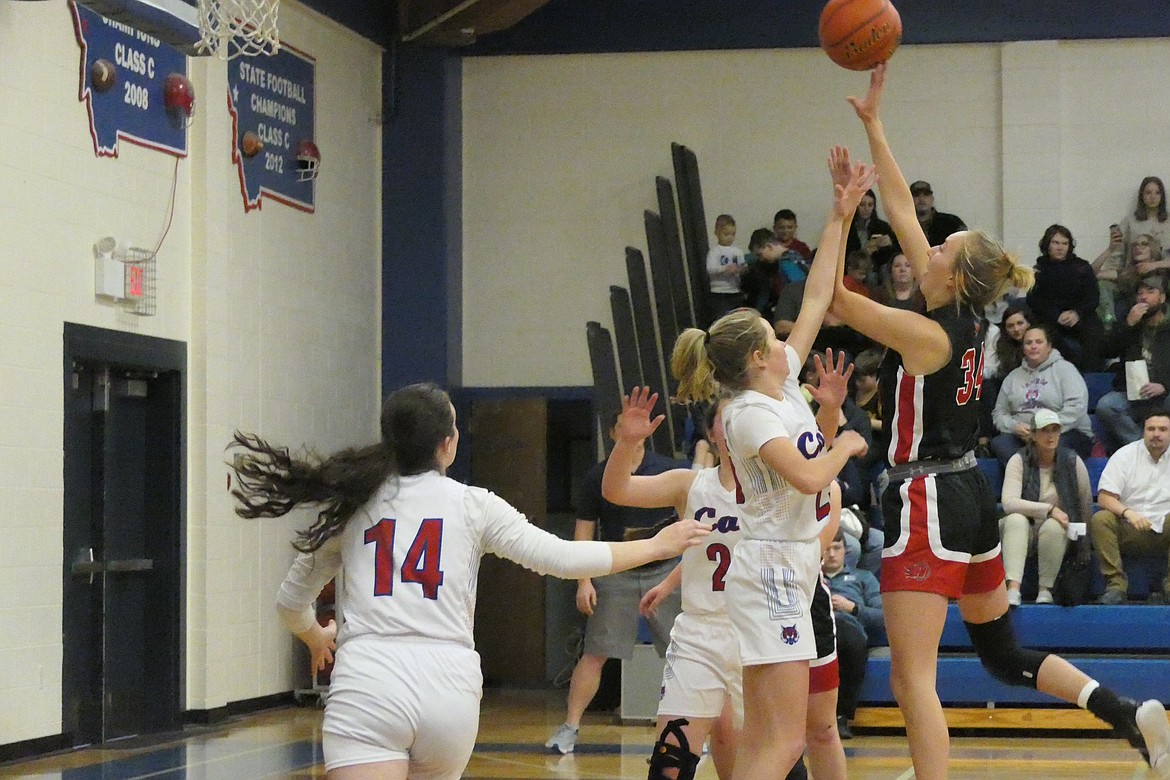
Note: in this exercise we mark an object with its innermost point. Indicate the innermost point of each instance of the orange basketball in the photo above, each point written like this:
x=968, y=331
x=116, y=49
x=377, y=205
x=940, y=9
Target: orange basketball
x=860, y=34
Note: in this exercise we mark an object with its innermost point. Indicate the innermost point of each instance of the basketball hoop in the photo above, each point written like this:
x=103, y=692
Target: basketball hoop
x=234, y=28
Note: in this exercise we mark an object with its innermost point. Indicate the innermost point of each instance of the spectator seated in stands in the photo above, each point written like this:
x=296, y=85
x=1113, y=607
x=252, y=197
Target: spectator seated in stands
x=867, y=395
x=833, y=333
x=1143, y=254
x=899, y=288
x=1065, y=298
x=784, y=226
x=866, y=367
x=1003, y=352
x=1134, y=496
x=1108, y=267
x=871, y=234
x=937, y=225
x=857, y=604
x=1044, y=380
x=725, y=265
x=857, y=268
x=1144, y=334
x=1045, y=487
x=762, y=282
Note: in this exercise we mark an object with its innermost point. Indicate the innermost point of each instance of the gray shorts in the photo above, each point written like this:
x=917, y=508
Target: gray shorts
x=612, y=629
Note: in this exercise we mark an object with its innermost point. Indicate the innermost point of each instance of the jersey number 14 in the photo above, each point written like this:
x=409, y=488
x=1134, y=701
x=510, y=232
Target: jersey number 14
x=421, y=564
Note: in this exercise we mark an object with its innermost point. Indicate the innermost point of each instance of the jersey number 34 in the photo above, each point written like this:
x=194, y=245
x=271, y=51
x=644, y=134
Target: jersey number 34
x=972, y=378
x=421, y=564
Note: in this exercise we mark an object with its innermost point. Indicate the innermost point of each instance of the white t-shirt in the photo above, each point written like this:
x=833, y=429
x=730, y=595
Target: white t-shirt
x=705, y=566
x=723, y=264
x=773, y=509
x=1142, y=484
x=410, y=560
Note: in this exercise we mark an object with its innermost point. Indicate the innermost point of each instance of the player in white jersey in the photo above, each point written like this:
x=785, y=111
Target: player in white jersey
x=404, y=694
x=702, y=681
x=782, y=465
x=701, y=684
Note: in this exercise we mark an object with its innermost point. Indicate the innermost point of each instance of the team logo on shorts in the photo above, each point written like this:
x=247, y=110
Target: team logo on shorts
x=919, y=572
x=789, y=634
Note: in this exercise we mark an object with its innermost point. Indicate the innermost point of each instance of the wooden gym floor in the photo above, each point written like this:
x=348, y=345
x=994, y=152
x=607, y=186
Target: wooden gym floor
x=284, y=743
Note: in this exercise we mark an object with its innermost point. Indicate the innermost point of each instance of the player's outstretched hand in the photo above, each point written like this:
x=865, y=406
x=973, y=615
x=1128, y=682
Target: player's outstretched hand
x=840, y=166
x=680, y=535
x=867, y=107
x=862, y=179
x=833, y=382
x=635, y=424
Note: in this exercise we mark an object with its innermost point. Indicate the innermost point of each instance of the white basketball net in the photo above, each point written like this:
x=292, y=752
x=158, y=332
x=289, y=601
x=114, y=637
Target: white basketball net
x=234, y=28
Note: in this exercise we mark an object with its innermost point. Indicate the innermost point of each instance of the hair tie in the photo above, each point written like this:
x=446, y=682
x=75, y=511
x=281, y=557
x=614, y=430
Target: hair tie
x=706, y=338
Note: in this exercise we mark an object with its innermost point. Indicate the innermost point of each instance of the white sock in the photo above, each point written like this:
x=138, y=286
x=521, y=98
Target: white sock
x=1083, y=699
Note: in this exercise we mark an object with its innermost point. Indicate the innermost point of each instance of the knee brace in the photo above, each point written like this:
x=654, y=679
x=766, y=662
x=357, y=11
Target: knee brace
x=668, y=756
x=1001, y=656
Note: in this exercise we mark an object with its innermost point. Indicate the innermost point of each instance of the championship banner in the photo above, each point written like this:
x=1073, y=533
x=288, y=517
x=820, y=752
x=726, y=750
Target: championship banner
x=272, y=105
x=134, y=86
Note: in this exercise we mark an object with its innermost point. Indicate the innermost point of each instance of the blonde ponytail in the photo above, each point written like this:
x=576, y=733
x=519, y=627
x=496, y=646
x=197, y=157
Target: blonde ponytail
x=984, y=271
x=692, y=368
x=702, y=361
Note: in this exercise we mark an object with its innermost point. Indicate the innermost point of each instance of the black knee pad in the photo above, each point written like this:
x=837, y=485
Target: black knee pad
x=1001, y=656
x=668, y=756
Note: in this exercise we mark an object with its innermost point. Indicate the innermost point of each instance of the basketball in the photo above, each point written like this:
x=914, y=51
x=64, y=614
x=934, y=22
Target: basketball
x=103, y=75
x=860, y=34
x=250, y=144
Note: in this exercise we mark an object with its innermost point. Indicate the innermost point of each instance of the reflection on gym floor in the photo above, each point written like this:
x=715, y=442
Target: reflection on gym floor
x=285, y=743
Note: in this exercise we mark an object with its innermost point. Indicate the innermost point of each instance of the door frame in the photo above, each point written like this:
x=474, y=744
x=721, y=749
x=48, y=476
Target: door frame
x=100, y=345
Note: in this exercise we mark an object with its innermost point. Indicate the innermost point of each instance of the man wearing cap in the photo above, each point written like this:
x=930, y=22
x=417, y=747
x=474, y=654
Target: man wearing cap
x=1144, y=334
x=937, y=225
x=1134, y=497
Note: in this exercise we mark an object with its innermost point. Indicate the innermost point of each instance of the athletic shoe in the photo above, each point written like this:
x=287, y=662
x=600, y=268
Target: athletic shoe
x=1129, y=729
x=564, y=739
x=1044, y=597
x=1112, y=597
x=1013, y=598
x=1151, y=720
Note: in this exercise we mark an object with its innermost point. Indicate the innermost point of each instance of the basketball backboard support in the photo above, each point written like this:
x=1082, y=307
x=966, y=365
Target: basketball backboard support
x=174, y=22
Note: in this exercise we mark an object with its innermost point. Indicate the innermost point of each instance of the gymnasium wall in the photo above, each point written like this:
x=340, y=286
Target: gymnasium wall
x=560, y=154
x=279, y=309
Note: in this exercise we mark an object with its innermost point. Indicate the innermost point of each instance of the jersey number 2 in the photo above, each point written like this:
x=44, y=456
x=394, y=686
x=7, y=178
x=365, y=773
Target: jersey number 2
x=972, y=378
x=422, y=559
x=722, y=559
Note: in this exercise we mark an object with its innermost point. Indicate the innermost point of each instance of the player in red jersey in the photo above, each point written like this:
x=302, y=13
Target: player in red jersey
x=942, y=535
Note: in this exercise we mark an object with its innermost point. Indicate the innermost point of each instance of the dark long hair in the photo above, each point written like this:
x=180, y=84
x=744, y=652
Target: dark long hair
x=1053, y=231
x=270, y=482
x=1141, y=212
x=1008, y=351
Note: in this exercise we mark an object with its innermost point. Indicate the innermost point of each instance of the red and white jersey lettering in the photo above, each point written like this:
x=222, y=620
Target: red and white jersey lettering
x=936, y=416
x=704, y=571
x=411, y=559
